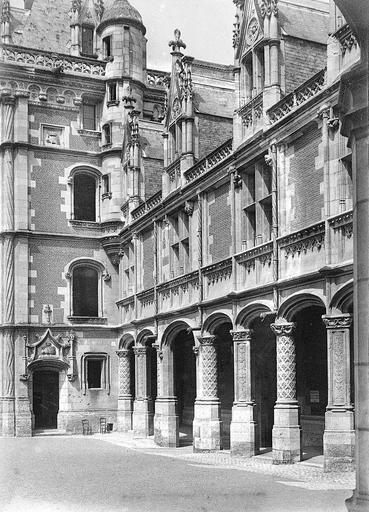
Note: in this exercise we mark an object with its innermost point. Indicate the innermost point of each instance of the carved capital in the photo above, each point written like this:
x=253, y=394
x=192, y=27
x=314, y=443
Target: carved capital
x=283, y=329
x=337, y=321
x=242, y=336
x=123, y=353
x=207, y=341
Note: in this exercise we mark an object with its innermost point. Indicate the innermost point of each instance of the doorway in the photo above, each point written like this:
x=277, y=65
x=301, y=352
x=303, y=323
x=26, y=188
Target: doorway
x=46, y=399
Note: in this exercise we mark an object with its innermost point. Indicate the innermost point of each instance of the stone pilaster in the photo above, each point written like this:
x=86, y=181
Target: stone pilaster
x=125, y=399
x=143, y=407
x=207, y=423
x=339, y=434
x=166, y=423
x=243, y=425
x=286, y=430
x=23, y=416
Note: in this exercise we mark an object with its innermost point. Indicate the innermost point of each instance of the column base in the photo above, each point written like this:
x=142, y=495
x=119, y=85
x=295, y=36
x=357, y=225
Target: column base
x=244, y=440
x=339, y=450
x=23, y=418
x=166, y=423
x=357, y=503
x=143, y=425
x=124, y=415
x=7, y=417
x=286, y=435
x=207, y=426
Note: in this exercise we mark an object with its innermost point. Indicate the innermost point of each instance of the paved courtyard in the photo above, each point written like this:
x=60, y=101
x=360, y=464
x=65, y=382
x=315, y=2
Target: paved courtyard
x=115, y=473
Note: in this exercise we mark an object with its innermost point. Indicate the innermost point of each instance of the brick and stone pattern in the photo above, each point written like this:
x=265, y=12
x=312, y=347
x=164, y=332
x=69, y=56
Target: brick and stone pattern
x=303, y=59
x=148, y=259
x=219, y=239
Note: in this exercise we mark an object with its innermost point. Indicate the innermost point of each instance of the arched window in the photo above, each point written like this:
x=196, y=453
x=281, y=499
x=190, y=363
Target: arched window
x=85, y=291
x=84, y=197
x=85, y=194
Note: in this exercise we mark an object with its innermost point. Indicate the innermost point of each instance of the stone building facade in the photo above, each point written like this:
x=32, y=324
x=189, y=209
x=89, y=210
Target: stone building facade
x=176, y=249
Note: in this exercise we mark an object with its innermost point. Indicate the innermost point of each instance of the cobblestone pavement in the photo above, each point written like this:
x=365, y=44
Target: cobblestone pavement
x=302, y=474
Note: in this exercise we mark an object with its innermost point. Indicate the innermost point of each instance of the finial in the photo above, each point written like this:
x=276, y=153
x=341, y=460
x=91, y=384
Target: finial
x=5, y=22
x=177, y=44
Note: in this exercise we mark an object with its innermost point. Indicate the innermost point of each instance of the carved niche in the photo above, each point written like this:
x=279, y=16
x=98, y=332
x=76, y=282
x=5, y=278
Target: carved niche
x=52, y=351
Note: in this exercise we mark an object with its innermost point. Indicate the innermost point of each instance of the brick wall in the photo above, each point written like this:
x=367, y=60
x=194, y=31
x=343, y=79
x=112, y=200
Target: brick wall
x=148, y=259
x=152, y=176
x=212, y=133
x=220, y=233
x=305, y=180
x=303, y=59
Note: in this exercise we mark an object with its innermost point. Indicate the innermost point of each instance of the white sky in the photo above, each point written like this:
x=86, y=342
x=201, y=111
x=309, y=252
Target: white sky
x=206, y=27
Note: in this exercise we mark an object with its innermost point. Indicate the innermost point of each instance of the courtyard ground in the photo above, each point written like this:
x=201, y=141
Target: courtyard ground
x=114, y=473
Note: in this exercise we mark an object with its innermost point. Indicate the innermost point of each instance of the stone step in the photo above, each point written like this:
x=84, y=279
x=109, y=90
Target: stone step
x=49, y=432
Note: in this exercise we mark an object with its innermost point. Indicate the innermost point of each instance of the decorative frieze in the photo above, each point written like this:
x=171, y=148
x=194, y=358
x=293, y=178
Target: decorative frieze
x=52, y=61
x=146, y=297
x=218, y=272
x=262, y=253
x=156, y=78
x=295, y=99
x=174, y=172
x=308, y=239
x=149, y=205
x=343, y=223
x=346, y=39
x=210, y=162
x=252, y=112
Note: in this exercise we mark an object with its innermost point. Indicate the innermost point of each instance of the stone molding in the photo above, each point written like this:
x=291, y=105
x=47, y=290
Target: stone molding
x=307, y=239
x=283, y=329
x=337, y=321
x=242, y=336
x=209, y=162
x=218, y=271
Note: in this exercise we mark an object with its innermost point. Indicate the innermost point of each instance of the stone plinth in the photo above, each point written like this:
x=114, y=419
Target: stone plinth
x=166, y=423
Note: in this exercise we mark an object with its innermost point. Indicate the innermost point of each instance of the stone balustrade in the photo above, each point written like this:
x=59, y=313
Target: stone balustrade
x=211, y=161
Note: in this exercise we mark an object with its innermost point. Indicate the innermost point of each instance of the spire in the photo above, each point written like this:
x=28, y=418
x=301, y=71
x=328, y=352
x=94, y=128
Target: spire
x=5, y=22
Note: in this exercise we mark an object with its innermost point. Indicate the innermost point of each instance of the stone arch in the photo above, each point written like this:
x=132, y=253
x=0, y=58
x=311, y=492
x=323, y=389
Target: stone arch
x=342, y=300
x=126, y=341
x=172, y=330
x=297, y=302
x=143, y=337
x=252, y=311
x=215, y=320
x=356, y=14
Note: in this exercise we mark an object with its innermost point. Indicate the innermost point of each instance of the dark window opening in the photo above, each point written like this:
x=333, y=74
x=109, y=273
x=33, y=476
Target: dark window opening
x=85, y=292
x=106, y=184
x=107, y=133
x=94, y=373
x=112, y=92
x=88, y=40
x=107, y=46
x=84, y=197
x=89, y=116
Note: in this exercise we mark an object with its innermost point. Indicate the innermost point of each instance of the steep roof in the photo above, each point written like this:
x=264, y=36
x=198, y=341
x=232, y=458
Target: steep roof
x=304, y=19
x=115, y=9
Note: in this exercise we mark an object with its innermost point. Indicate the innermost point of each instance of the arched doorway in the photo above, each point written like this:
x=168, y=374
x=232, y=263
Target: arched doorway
x=45, y=399
x=225, y=371
x=311, y=377
x=184, y=373
x=263, y=381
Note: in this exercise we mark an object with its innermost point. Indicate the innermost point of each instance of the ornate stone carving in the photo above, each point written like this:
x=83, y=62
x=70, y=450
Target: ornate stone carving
x=50, y=349
x=252, y=31
x=124, y=372
x=303, y=241
x=218, y=272
x=210, y=162
x=188, y=208
x=269, y=7
x=286, y=361
x=337, y=322
x=343, y=223
x=241, y=336
x=8, y=365
x=337, y=347
x=8, y=251
x=209, y=366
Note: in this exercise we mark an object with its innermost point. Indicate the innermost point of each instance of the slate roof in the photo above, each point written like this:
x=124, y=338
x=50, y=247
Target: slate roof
x=120, y=9
x=302, y=20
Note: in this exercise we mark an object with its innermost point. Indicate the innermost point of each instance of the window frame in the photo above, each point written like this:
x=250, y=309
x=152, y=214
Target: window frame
x=105, y=371
x=91, y=29
x=96, y=174
x=107, y=43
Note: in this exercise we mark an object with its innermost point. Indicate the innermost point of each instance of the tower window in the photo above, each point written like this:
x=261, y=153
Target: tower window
x=107, y=47
x=85, y=291
x=87, y=40
x=89, y=116
x=84, y=195
x=112, y=93
x=107, y=134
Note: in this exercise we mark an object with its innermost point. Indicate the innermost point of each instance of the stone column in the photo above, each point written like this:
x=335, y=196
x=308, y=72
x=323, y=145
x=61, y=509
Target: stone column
x=143, y=410
x=286, y=430
x=243, y=425
x=166, y=422
x=7, y=265
x=124, y=413
x=339, y=433
x=207, y=423
x=23, y=417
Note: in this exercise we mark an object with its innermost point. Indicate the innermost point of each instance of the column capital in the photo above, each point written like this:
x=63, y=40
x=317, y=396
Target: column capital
x=244, y=335
x=208, y=340
x=140, y=351
x=283, y=329
x=337, y=321
x=123, y=352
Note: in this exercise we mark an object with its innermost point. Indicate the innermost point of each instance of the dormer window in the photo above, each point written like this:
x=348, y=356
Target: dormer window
x=87, y=40
x=107, y=47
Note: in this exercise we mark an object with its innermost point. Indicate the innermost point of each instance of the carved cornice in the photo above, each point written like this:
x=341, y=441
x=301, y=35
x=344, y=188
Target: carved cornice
x=344, y=223
x=346, y=39
x=337, y=321
x=218, y=271
x=303, y=241
x=262, y=253
x=146, y=207
x=209, y=162
x=252, y=111
x=179, y=282
x=283, y=329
